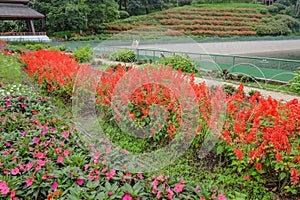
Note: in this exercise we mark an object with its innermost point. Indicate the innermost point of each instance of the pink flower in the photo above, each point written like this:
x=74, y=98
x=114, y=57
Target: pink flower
x=178, y=188
x=126, y=152
x=221, y=197
x=159, y=194
x=41, y=162
x=110, y=175
x=15, y=171
x=3, y=188
x=80, y=181
x=8, y=144
x=110, y=193
x=155, y=183
x=65, y=134
x=45, y=131
x=54, y=185
x=126, y=197
x=29, y=166
x=36, y=140
x=170, y=193
x=8, y=103
x=13, y=193
x=23, y=105
x=29, y=181
x=60, y=159
x=66, y=152
x=140, y=176
x=44, y=177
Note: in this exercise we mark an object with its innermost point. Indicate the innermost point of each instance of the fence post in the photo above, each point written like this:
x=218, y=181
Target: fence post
x=233, y=63
x=137, y=54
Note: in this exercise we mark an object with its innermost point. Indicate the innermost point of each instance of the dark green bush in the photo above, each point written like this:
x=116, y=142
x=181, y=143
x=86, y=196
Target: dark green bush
x=295, y=82
x=123, y=55
x=273, y=28
x=83, y=54
x=180, y=61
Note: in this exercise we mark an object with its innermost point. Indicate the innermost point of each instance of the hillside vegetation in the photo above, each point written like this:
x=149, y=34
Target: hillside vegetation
x=204, y=20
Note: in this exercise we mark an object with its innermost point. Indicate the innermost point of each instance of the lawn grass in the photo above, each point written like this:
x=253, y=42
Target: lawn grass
x=10, y=69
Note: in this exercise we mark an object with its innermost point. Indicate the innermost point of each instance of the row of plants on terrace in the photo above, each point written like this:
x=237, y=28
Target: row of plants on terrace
x=259, y=140
x=216, y=21
x=195, y=10
x=215, y=13
x=187, y=27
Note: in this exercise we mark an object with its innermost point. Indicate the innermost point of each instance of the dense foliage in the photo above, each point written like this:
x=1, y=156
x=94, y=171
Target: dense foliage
x=259, y=140
x=123, y=55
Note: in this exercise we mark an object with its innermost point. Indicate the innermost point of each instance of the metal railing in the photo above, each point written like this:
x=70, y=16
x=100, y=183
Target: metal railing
x=259, y=67
x=21, y=33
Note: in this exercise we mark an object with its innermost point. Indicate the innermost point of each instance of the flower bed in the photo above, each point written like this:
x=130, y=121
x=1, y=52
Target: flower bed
x=42, y=155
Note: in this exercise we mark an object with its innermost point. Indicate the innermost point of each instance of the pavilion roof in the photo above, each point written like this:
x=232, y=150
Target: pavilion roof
x=17, y=11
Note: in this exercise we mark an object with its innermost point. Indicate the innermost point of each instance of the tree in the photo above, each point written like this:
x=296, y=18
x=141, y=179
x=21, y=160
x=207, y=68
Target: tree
x=75, y=14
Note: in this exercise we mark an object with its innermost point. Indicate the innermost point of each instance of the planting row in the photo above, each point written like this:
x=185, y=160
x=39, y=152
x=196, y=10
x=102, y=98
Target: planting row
x=259, y=137
x=195, y=10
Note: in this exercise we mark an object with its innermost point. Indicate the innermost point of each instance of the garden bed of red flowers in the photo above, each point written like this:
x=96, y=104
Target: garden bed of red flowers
x=43, y=156
x=203, y=21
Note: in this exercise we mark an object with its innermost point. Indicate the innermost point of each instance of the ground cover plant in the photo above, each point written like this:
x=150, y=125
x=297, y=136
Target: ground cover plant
x=258, y=147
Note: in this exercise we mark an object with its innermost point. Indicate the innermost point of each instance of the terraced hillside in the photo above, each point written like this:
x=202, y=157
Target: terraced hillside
x=196, y=21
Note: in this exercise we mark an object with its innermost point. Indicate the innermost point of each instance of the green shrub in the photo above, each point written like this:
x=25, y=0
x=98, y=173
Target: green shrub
x=264, y=11
x=61, y=47
x=295, y=82
x=123, y=55
x=291, y=22
x=83, y=54
x=180, y=61
x=123, y=14
x=272, y=9
x=273, y=28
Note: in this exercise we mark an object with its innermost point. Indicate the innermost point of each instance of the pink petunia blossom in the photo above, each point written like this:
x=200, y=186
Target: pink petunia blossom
x=60, y=159
x=221, y=197
x=36, y=140
x=13, y=193
x=41, y=162
x=23, y=105
x=8, y=103
x=29, y=181
x=80, y=181
x=110, y=175
x=127, y=197
x=140, y=176
x=15, y=171
x=159, y=194
x=110, y=193
x=65, y=134
x=7, y=144
x=178, y=188
x=54, y=185
x=45, y=176
x=4, y=189
x=170, y=193
x=29, y=166
x=44, y=132
x=66, y=152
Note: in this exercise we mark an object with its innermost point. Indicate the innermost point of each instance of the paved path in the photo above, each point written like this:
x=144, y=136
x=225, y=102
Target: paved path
x=232, y=48
x=235, y=48
x=210, y=82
